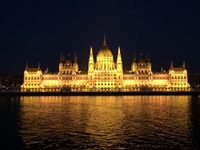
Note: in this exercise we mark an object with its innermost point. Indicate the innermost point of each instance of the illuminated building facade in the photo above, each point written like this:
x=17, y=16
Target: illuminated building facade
x=106, y=75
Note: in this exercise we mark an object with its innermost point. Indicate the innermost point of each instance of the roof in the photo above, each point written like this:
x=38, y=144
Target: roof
x=105, y=51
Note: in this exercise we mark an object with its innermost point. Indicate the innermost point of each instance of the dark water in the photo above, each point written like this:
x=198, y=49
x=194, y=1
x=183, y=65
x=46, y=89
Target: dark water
x=101, y=122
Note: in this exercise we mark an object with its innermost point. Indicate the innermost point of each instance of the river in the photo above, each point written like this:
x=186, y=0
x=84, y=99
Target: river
x=100, y=122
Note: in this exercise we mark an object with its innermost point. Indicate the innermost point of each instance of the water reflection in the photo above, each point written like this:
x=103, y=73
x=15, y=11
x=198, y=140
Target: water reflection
x=104, y=122
x=161, y=121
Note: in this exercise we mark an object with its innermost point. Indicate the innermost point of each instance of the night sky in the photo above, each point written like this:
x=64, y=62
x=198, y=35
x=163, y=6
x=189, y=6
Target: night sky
x=39, y=30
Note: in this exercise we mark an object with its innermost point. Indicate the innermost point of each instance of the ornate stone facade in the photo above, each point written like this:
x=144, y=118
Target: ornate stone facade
x=106, y=75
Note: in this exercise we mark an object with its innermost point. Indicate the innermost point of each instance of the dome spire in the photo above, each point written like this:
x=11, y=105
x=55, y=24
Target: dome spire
x=104, y=41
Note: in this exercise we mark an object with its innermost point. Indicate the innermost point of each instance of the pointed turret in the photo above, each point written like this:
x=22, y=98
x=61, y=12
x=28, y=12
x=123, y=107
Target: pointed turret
x=148, y=64
x=38, y=66
x=91, y=53
x=171, y=65
x=61, y=57
x=47, y=70
x=134, y=63
x=91, y=58
x=75, y=64
x=26, y=65
x=104, y=41
x=183, y=64
x=162, y=69
x=119, y=61
x=91, y=61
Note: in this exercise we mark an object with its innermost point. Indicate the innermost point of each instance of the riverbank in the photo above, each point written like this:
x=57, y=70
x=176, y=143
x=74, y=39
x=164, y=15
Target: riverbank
x=96, y=93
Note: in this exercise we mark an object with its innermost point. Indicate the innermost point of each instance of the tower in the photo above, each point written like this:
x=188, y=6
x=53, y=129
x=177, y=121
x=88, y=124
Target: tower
x=183, y=64
x=171, y=66
x=61, y=63
x=75, y=64
x=148, y=63
x=91, y=62
x=134, y=64
x=119, y=61
x=119, y=69
x=26, y=66
x=38, y=66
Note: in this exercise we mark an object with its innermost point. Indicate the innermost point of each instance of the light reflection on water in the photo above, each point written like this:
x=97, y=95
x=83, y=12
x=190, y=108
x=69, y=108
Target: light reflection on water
x=106, y=122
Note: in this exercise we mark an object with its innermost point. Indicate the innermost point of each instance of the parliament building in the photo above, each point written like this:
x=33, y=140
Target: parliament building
x=105, y=75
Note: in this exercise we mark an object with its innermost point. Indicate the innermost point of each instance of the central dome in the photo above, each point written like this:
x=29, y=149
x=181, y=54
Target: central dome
x=105, y=51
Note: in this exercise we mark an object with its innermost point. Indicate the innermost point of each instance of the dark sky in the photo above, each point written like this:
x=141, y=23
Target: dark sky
x=39, y=30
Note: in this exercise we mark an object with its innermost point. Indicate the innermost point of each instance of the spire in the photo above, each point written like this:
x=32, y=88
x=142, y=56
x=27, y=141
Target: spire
x=162, y=69
x=119, y=61
x=119, y=52
x=91, y=53
x=47, y=70
x=171, y=64
x=119, y=58
x=91, y=59
x=26, y=65
x=183, y=64
x=104, y=41
x=91, y=62
x=38, y=66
